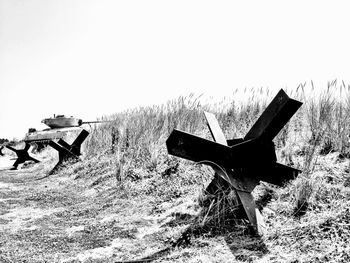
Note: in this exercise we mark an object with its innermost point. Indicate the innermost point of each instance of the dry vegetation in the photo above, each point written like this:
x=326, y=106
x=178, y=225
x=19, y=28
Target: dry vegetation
x=128, y=199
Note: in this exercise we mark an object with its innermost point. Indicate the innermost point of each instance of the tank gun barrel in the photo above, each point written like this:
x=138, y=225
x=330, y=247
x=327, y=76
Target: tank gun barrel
x=86, y=122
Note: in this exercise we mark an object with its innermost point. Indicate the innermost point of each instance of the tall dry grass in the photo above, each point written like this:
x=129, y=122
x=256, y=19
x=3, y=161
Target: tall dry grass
x=133, y=145
x=138, y=130
x=139, y=134
x=129, y=155
x=325, y=117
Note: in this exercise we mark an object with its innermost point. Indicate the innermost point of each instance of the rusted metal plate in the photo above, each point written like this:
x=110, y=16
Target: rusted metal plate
x=249, y=206
x=64, y=144
x=239, y=182
x=214, y=127
x=277, y=174
x=233, y=142
x=197, y=149
x=81, y=138
x=194, y=148
x=63, y=152
x=275, y=116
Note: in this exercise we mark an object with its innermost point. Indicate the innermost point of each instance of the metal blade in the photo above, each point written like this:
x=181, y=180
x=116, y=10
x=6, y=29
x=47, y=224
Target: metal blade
x=233, y=142
x=194, y=148
x=64, y=144
x=278, y=174
x=62, y=152
x=214, y=127
x=242, y=155
x=275, y=116
x=81, y=138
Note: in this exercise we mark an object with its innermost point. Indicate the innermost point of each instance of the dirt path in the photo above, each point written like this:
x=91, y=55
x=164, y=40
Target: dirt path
x=52, y=220
x=60, y=219
x=64, y=219
x=29, y=209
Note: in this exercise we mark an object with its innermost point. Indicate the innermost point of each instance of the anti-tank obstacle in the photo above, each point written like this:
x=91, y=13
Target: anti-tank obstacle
x=22, y=155
x=68, y=151
x=243, y=162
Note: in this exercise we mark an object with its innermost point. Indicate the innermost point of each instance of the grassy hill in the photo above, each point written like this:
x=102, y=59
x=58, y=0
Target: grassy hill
x=128, y=199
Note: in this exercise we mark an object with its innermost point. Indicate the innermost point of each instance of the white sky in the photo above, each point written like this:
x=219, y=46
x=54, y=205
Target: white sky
x=93, y=58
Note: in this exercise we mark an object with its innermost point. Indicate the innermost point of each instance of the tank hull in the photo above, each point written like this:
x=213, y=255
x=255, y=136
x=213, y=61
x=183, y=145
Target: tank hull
x=48, y=135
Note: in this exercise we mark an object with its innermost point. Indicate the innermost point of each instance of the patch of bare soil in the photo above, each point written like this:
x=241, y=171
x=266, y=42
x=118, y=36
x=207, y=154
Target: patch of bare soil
x=60, y=219
x=64, y=219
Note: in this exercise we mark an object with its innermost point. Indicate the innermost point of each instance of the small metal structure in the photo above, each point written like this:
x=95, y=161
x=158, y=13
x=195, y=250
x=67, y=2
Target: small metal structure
x=66, y=151
x=22, y=155
x=243, y=162
x=1, y=148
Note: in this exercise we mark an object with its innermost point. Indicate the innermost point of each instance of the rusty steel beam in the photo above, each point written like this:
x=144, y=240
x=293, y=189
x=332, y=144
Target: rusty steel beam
x=274, y=117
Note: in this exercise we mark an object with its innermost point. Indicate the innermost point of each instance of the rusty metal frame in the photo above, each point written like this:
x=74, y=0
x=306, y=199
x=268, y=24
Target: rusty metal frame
x=243, y=162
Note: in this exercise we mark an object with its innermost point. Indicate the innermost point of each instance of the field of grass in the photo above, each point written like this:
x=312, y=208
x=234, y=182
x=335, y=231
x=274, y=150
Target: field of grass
x=131, y=200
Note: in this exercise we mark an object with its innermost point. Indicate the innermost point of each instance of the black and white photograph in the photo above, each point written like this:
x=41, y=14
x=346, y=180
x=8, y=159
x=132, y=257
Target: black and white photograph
x=139, y=131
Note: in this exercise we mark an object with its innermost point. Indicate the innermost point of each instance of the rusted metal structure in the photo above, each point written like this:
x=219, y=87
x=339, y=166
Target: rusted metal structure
x=22, y=155
x=243, y=162
x=68, y=151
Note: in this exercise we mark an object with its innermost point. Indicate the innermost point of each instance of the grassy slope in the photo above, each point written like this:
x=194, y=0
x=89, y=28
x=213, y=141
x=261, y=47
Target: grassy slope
x=129, y=199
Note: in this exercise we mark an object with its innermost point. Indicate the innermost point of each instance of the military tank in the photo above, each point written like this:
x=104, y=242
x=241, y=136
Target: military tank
x=60, y=126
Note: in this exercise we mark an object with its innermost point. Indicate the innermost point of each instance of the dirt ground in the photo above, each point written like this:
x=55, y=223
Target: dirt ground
x=56, y=219
x=63, y=219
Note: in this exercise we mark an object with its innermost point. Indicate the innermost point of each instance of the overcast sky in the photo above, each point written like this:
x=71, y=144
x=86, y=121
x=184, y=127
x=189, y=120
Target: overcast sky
x=93, y=58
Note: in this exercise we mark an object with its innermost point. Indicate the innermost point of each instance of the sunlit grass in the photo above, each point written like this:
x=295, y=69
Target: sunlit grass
x=132, y=151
